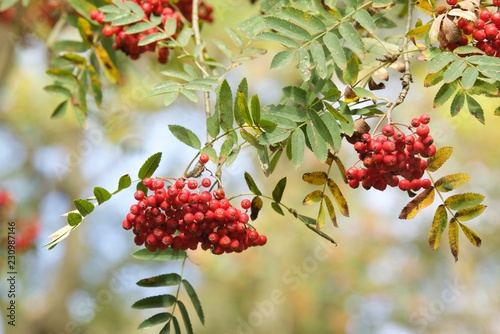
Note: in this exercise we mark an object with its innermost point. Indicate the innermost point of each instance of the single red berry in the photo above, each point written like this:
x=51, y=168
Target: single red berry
x=388, y=130
x=353, y=183
x=127, y=224
x=425, y=119
x=491, y=31
x=204, y=158
x=148, y=182
x=158, y=184
x=422, y=130
x=139, y=195
x=479, y=34
x=206, y=182
x=451, y=2
x=399, y=136
x=416, y=184
x=485, y=15
x=246, y=204
x=426, y=183
x=262, y=240
x=389, y=146
x=368, y=162
x=94, y=14
x=415, y=122
x=495, y=18
x=235, y=244
x=192, y=184
x=496, y=3
x=180, y=183
x=219, y=193
x=479, y=24
x=108, y=31
x=360, y=147
x=390, y=160
x=225, y=241
x=462, y=23
x=404, y=185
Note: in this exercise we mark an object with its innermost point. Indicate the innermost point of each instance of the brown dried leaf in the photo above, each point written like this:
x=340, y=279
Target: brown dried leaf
x=450, y=31
x=375, y=86
x=350, y=95
x=435, y=28
x=424, y=199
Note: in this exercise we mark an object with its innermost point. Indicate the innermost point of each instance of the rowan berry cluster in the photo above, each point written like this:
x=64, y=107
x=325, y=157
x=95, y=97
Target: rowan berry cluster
x=483, y=33
x=129, y=43
x=393, y=154
x=182, y=216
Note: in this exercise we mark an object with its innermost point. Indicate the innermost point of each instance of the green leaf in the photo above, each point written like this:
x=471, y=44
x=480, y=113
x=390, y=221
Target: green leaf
x=95, y=82
x=225, y=106
x=138, y=27
x=279, y=189
x=166, y=328
x=313, y=197
x=83, y=8
x=422, y=200
x=438, y=225
x=287, y=28
x=252, y=185
x=169, y=98
x=470, y=213
x=439, y=158
x=310, y=223
x=83, y=206
x=160, y=255
x=194, y=299
x=305, y=64
x=6, y=4
x=304, y=19
x=333, y=129
x=154, y=302
x=469, y=77
x=457, y=103
x=74, y=218
x=454, y=71
x=350, y=75
x=440, y=61
x=213, y=125
x=339, y=197
x=475, y=108
x=315, y=178
x=185, y=317
x=453, y=238
x=451, y=182
x=471, y=235
x=277, y=208
x=161, y=280
x=156, y=319
x=278, y=38
x=333, y=44
x=257, y=205
x=241, y=112
x=316, y=142
x=352, y=37
x=110, y=70
x=101, y=194
x=170, y=26
x=235, y=38
x=165, y=87
x=444, y=94
x=150, y=166
x=463, y=201
x=297, y=143
x=177, y=328
x=124, y=182
x=432, y=79
x=185, y=135
x=365, y=20
x=60, y=110
x=184, y=36
x=282, y=59
x=319, y=58
x=320, y=126
x=255, y=108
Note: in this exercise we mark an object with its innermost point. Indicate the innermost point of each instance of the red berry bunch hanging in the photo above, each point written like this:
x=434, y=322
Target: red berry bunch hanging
x=484, y=33
x=128, y=43
x=394, y=154
x=183, y=216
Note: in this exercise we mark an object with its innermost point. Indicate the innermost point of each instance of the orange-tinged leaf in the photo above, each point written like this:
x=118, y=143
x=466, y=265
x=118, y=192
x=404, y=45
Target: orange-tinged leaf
x=471, y=235
x=320, y=222
x=423, y=200
x=339, y=198
x=316, y=178
x=453, y=238
x=313, y=197
x=107, y=65
x=470, y=213
x=463, y=201
x=438, y=225
x=439, y=158
x=331, y=211
x=450, y=182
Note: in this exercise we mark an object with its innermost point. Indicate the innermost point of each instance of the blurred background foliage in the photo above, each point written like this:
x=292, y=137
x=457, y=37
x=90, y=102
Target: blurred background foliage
x=381, y=278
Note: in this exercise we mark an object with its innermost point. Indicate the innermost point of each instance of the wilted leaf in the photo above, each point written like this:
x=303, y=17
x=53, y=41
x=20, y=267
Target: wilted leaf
x=471, y=235
x=453, y=238
x=257, y=204
x=424, y=199
x=438, y=225
x=316, y=178
x=439, y=158
x=470, y=213
x=450, y=182
x=313, y=197
x=463, y=201
x=339, y=198
x=107, y=65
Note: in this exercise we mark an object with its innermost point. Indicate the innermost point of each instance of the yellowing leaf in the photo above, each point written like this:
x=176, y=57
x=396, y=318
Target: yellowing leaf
x=450, y=182
x=331, y=211
x=320, y=222
x=316, y=178
x=85, y=30
x=341, y=167
x=470, y=213
x=463, y=201
x=471, y=235
x=453, y=238
x=419, y=32
x=107, y=65
x=313, y=197
x=339, y=198
x=439, y=158
x=424, y=6
x=424, y=199
x=438, y=226
x=432, y=79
